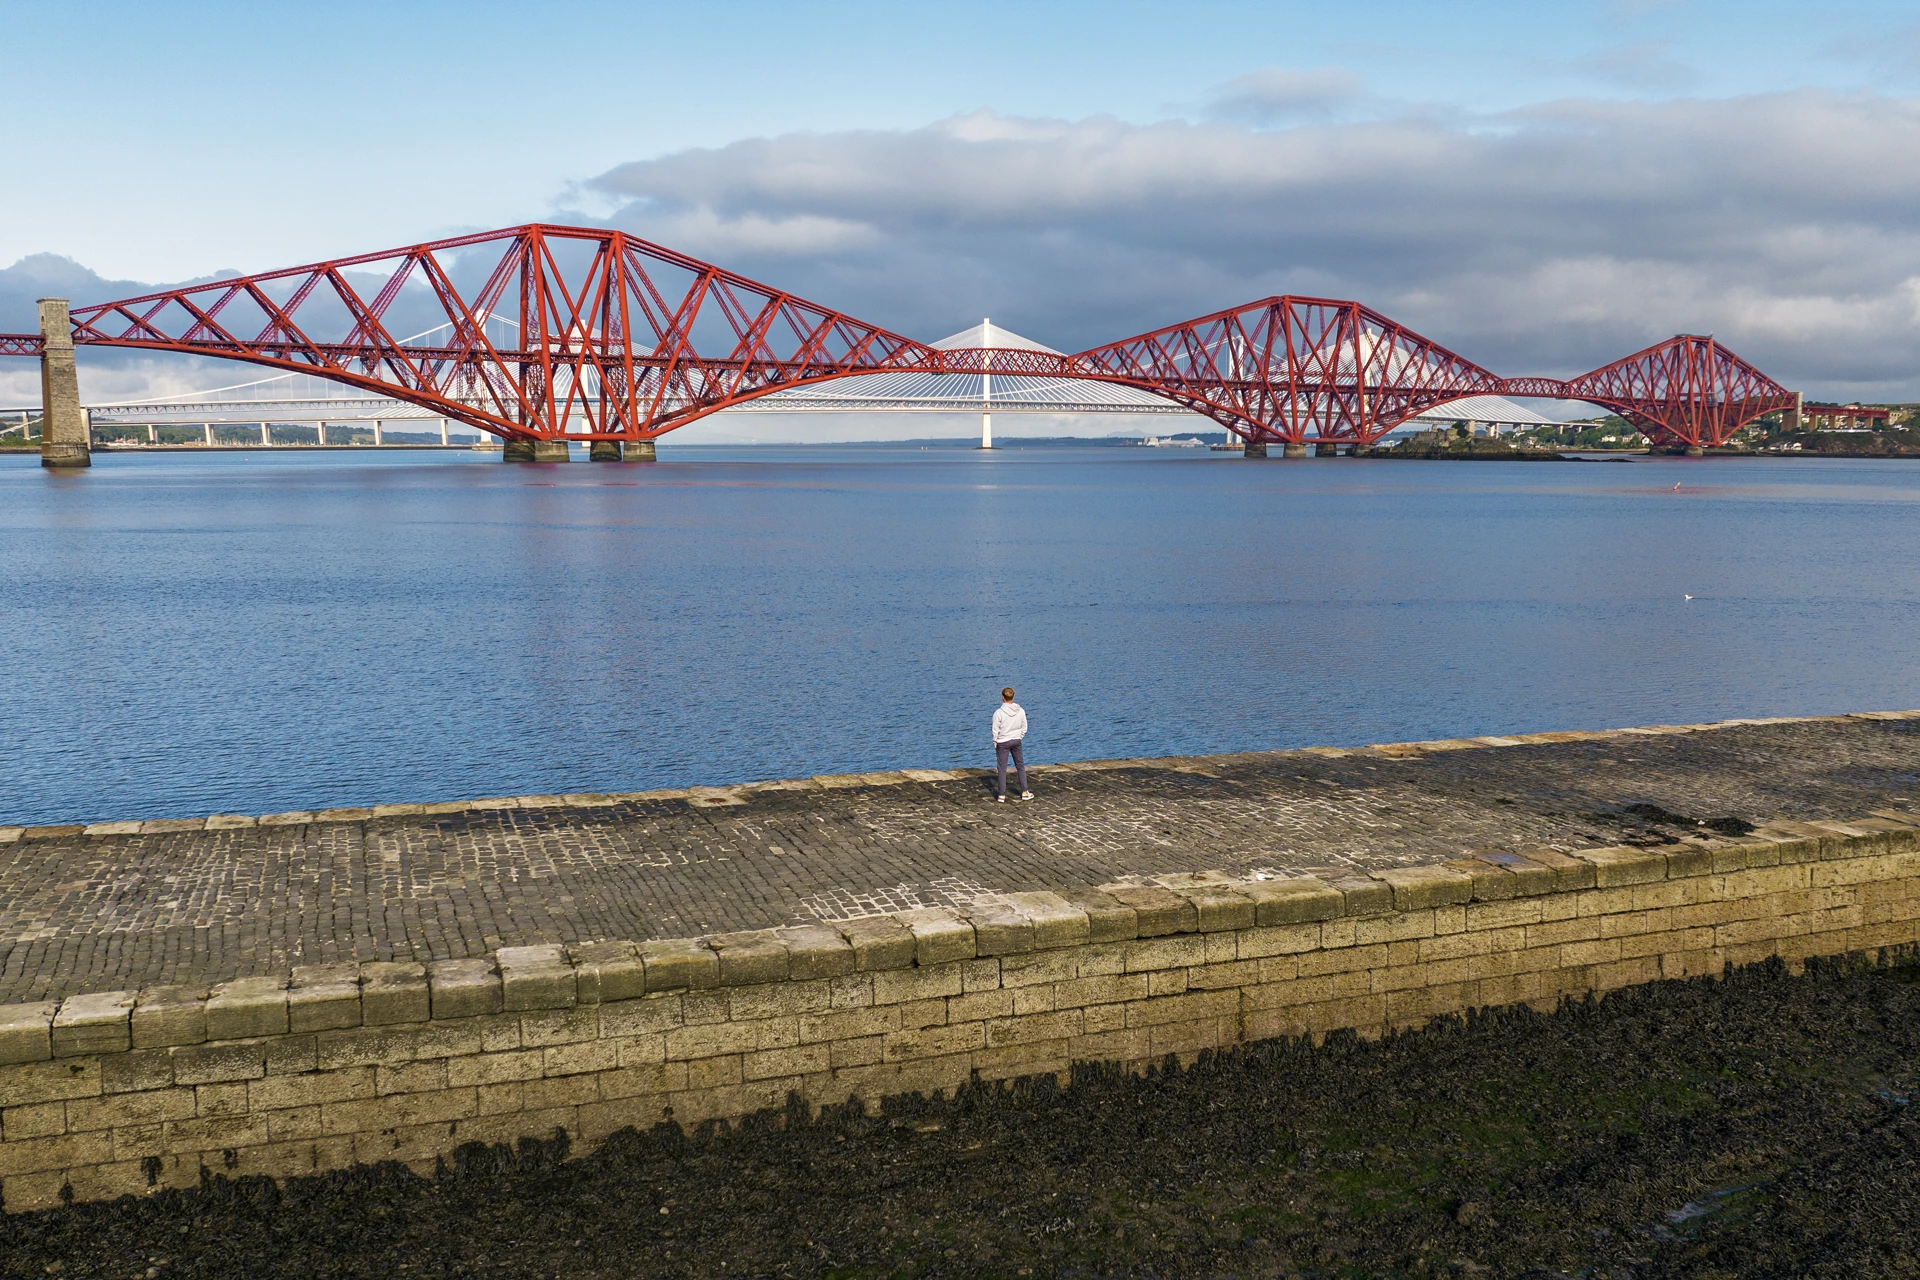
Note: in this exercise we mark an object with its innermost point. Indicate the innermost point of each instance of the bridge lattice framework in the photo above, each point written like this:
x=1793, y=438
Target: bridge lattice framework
x=615, y=339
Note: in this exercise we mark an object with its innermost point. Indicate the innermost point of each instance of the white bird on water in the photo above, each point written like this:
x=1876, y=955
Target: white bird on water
x=1685, y=596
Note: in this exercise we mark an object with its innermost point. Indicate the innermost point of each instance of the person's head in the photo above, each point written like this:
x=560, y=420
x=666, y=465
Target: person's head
x=1006, y=695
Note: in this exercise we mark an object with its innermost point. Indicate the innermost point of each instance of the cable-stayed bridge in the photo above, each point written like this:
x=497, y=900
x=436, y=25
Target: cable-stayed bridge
x=314, y=402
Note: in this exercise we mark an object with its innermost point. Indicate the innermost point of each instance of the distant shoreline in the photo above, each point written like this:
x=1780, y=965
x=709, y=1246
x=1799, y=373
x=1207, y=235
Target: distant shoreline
x=957, y=443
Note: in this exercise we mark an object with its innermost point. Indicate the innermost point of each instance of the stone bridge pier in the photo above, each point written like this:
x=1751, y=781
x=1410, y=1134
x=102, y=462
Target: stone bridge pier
x=598, y=451
x=65, y=438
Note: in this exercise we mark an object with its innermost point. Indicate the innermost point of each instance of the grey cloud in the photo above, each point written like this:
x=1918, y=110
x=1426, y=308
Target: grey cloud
x=1646, y=65
x=1547, y=240
x=1283, y=95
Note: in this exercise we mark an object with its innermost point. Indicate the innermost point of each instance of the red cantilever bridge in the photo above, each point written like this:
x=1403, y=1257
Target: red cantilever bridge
x=548, y=334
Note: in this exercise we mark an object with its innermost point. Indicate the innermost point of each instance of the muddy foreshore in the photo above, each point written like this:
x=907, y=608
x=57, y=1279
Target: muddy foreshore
x=1754, y=1127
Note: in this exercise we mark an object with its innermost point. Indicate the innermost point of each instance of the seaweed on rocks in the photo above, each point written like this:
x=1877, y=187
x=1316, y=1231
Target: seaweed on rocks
x=1758, y=1125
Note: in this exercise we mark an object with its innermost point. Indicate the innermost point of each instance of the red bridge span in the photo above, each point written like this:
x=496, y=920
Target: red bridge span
x=547, y=334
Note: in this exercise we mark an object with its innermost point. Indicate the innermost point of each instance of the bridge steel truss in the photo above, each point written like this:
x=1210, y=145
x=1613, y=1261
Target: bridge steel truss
x=1687, y=390
x=614, y=338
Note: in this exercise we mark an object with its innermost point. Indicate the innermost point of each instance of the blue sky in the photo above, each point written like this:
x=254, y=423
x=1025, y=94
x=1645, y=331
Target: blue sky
x=160, y=142
x=192, y=137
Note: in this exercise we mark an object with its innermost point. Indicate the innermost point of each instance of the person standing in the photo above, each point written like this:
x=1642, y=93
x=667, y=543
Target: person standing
x=1009, y=730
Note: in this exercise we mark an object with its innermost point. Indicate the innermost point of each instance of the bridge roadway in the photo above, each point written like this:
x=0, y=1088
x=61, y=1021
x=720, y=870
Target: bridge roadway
x=126, y=905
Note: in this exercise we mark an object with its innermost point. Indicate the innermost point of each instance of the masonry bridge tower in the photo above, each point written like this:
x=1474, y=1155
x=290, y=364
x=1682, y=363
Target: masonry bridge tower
x=65, y=438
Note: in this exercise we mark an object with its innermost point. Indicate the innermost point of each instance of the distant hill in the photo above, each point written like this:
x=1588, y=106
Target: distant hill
x=49, y=275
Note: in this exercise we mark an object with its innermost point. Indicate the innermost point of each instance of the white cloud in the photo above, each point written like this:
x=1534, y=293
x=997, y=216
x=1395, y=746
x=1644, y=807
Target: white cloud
x=1547, y=240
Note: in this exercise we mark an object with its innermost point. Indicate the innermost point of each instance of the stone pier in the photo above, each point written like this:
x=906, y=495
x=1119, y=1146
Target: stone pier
x=1294, y=449
x=65, y=439
x=536, y=451
x=1256, y=449
x=620, y=451
x=305, y=991
x=1325, y=449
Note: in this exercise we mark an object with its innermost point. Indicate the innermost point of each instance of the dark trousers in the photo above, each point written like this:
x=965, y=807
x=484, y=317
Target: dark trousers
x=1001, y=750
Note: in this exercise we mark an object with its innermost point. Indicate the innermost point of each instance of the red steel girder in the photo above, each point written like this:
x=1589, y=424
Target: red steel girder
x=1687, y=390
x=557, y=333
x=549, y=332
x=1277, y=368
x=1836, y=411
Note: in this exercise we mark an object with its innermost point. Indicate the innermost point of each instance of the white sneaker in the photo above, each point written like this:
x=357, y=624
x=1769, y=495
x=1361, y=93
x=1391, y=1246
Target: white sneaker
x=1026, y=795
x=1001, y=799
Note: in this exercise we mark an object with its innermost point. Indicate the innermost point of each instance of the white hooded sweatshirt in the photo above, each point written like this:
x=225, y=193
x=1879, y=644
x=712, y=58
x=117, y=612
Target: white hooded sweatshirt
x=1009, y=723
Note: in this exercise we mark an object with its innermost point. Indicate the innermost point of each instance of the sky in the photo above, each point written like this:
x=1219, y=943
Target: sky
x=1540, y=186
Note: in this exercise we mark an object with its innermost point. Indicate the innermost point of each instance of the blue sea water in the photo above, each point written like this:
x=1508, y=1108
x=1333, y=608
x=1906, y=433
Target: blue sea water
x=252, y=632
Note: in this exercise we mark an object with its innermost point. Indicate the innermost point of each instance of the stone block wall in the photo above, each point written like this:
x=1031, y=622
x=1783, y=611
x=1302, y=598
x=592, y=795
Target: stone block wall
x=124, y=1092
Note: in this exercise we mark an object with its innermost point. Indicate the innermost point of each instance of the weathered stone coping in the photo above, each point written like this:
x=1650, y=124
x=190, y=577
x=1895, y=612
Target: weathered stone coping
x=329, y=1066
x=717, y=797
x=1311, y=912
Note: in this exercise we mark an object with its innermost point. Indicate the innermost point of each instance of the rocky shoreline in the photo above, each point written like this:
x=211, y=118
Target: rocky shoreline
x=1475, y=449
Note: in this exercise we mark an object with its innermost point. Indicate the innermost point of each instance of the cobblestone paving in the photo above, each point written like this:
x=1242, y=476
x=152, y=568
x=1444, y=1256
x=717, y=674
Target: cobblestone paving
x=108, y=912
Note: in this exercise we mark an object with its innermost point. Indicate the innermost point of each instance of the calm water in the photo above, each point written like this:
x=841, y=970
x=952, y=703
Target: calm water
x=256, y=632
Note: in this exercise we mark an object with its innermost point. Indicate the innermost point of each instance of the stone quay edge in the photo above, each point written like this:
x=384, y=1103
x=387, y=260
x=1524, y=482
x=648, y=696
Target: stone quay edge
x=740, y=793
x=332, y=997
x=323, y=1066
